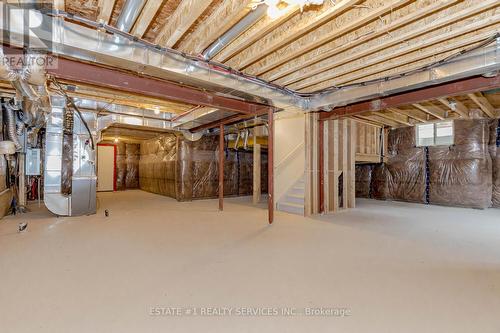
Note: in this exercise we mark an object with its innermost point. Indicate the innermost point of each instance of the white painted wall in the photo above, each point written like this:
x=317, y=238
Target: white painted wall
x=289, y=150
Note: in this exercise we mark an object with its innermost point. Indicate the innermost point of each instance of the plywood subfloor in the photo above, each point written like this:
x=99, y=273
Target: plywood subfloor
x=398, y=267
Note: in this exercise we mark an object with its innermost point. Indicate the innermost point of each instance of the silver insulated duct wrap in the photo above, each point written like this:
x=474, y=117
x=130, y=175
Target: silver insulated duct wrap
x=80, y=197
x=11, y=124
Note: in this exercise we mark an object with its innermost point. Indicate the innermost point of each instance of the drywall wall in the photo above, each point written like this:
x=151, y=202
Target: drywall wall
x=289, y=150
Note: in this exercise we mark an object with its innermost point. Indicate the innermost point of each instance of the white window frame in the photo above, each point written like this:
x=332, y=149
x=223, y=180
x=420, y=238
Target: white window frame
x=435, y=133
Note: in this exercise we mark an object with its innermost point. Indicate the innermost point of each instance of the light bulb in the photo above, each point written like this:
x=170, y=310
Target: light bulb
x=157, y=110
x=116, y=140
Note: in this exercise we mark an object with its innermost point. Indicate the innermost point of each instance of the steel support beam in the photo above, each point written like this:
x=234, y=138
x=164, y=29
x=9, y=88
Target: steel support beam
x=80, y=72
x=221, y=167
x=455, y=88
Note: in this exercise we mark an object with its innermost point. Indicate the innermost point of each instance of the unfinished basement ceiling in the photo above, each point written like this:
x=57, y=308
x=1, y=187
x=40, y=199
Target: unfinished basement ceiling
x=333, y=44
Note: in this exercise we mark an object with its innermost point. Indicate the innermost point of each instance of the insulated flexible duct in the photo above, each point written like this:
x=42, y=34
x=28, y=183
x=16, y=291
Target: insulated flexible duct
x=11, y=124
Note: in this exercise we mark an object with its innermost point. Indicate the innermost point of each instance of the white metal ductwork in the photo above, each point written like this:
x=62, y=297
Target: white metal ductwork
x=129, y=14
x=94, y=45
x=245, y=23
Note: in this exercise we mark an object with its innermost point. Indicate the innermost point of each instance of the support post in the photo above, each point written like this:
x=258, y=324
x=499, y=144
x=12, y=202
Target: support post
x=256, y=172
x=321, y=164
x=221, y=167
x=270, y=167
x=22, y=183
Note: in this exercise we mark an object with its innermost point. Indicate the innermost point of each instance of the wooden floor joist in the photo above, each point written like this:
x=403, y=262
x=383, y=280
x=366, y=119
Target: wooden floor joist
x=411, y=54
x=180, y=21
x=105, y=10
x=299, y=31
x=483, y=104
x=227, y=14
x=459, y=108
x=394, y=117
x=147, y=15
x=270, y=25
x=433, y=111
x=409, y=114
x=338, y=61
x=301, y=49
x=315, y=57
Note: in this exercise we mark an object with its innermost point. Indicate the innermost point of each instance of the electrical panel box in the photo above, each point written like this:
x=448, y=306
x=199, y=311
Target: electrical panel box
x=33, y=162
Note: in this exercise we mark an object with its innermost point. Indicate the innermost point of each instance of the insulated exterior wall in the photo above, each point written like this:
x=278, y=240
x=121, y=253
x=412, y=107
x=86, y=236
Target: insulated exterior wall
x=465, y=174
x=158, y=166
x=185, y=170
x=495, y=155
x=363, y=181
x=127, y=165
x=402, y=177
x=461, y=175
x=133, y=154
x=121, y=166
x=406, y=178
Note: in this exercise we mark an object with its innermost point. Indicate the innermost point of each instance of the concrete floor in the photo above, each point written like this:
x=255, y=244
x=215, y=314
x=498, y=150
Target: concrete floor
x=396, y=267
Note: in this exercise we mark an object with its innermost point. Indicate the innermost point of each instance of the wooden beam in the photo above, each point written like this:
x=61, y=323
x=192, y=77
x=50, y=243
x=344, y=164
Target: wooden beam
x=270, y=165
x=351, y=164
x=408, y=114
x=335, y=33
x=59, y=4
x=483, y=104
x=270, y=25
x=256, y=173
x=146, y=17
x=459, y=108
x=433, y=111
x=334, y=62
x=329, y=52
x=321, y=165
x=368, y=120
x=364, y=69
x=227, y=14
x=221, y=167
x=381, y=121
x=299, y=31
x=180, y=21
x=393, y=117
x=105, y=10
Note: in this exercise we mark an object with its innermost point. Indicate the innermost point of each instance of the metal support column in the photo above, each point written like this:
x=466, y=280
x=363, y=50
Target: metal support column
x=270, y=159
x=221, y=167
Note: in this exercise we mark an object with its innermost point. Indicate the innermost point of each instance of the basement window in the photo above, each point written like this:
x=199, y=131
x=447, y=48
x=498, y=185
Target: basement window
x=435, y=134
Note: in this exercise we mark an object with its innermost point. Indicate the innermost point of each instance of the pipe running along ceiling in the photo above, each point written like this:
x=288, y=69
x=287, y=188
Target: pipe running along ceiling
x=85, y=42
